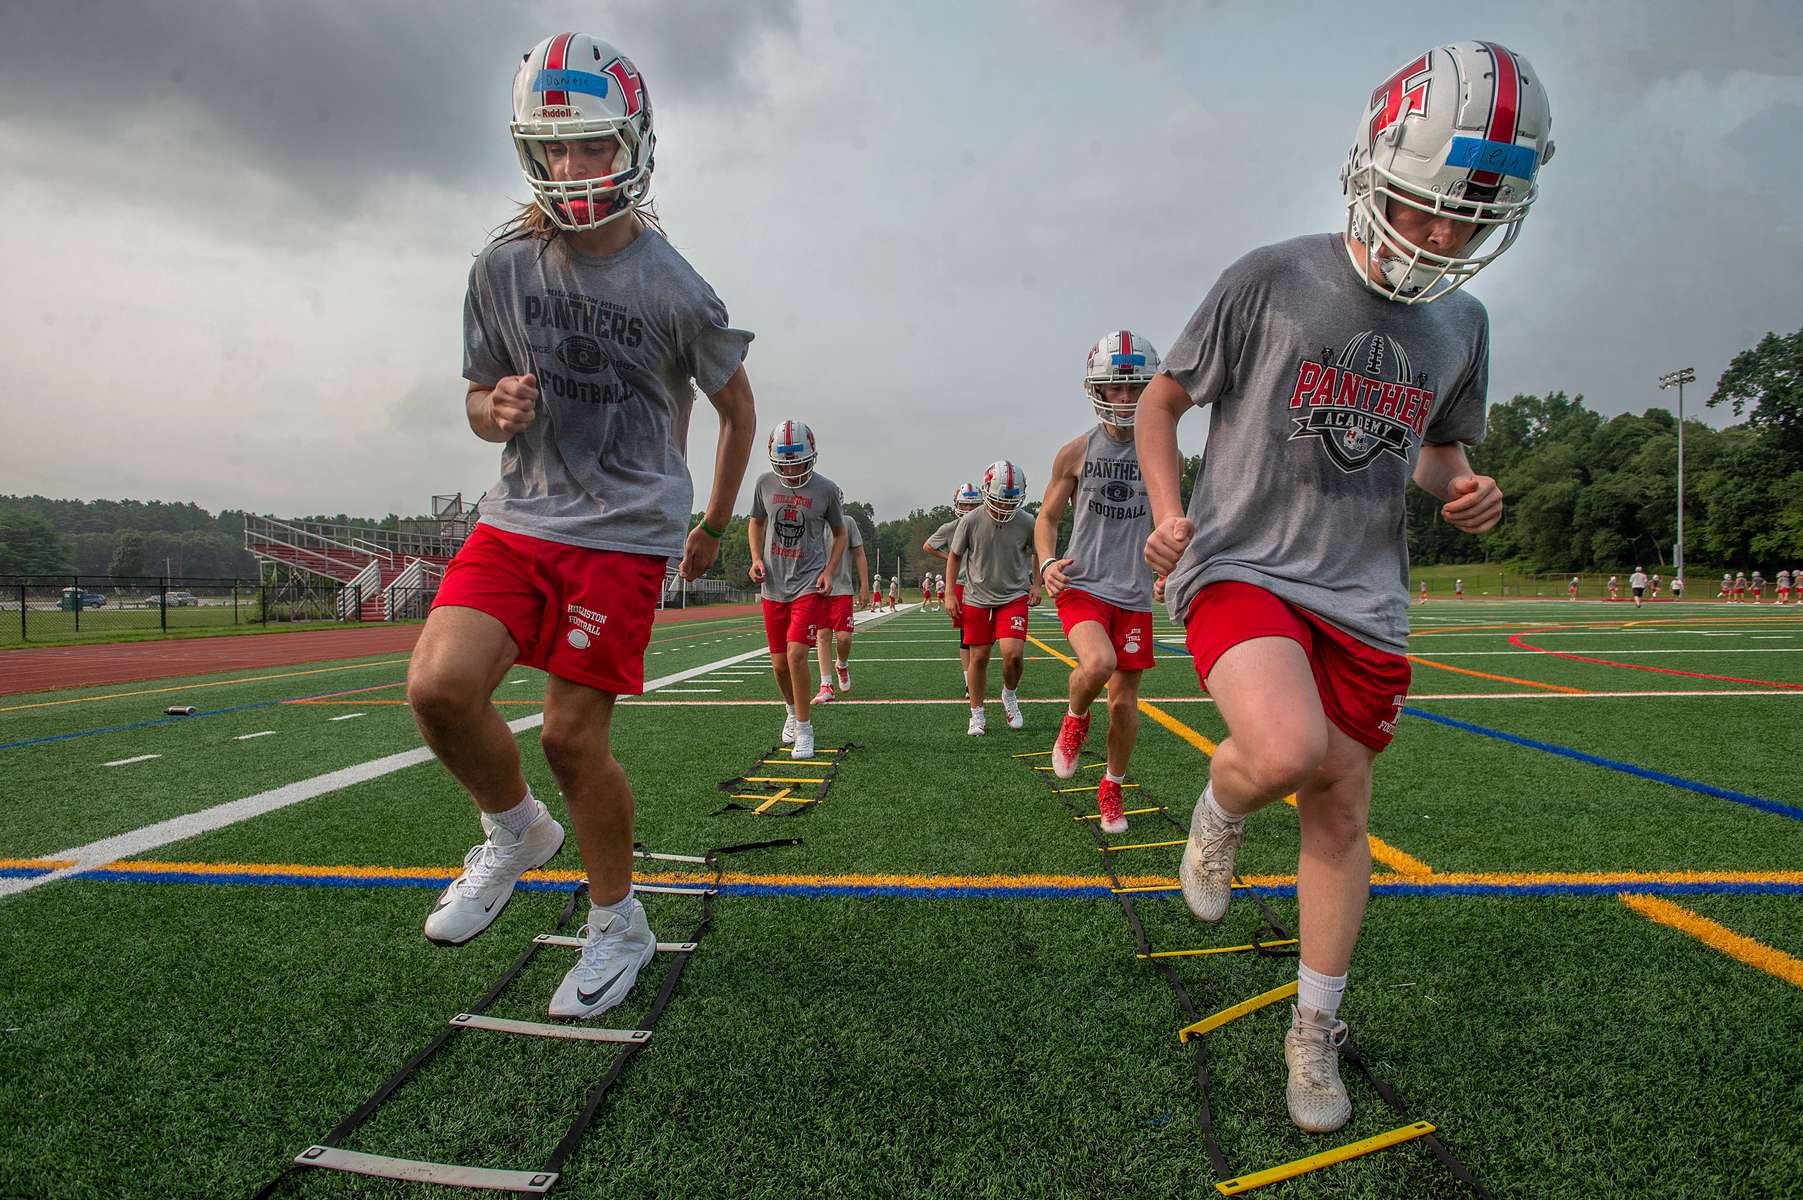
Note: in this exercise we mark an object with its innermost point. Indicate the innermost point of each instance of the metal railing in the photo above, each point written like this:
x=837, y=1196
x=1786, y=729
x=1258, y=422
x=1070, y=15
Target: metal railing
x=416, y=538
x=366, y=583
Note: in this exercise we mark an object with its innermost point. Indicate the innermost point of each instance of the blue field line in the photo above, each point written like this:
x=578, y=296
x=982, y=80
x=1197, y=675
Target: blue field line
x=1181, y=651
x=814, y=891
x=63, y=737
x=1678, y=781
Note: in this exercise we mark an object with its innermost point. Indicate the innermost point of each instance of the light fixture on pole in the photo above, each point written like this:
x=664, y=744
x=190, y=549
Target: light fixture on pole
x=1678, y=379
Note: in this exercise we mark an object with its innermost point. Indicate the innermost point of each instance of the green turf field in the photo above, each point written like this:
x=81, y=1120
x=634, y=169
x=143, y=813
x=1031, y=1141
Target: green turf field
x=1583, y=960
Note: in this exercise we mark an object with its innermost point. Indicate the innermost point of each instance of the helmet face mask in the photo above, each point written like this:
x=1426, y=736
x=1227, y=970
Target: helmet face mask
x=1121, y=357
x=1004, y=490
x=1460, y=132
x=792, y=452
x=570, y=89
x=967, y=499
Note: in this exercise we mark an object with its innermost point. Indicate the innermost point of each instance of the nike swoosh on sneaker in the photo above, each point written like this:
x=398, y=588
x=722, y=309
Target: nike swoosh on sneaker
x=591, y=997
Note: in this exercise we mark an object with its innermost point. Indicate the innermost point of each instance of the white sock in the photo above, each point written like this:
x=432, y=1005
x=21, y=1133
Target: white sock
x=976, y=710
x=1008, y=694
x=1111, y=777
x=516, y=819
x=1319, y=992
x=1074, y=715
x=1208, y=798
x=788, y=708
x=842, y=663
x=807, y=725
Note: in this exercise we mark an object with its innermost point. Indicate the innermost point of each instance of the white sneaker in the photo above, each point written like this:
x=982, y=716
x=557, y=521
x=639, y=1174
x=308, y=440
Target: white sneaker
x=843, y=672
x=1316, y=1095
x=804, y=740
x=1206, y=873
x=789, y=729
x=614, y=947
x=1011, y=706
x=979, y=722
x=824, y=696
x=476, y=897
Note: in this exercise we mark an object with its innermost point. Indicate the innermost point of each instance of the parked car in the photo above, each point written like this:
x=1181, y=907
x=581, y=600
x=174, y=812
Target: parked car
x=176, y=600
x=74, y=598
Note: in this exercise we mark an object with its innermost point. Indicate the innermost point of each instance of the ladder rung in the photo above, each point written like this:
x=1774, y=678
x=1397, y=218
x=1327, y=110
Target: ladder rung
x=1235, y=1012
x=681, y=858
x=579, y=1033
x=1216, y=949
x=558, y=939
x=420, y=1171
x=1141, y=846
x=1129, y=812
x=666, y=889
x=1327, y=1158
x=1085, y=767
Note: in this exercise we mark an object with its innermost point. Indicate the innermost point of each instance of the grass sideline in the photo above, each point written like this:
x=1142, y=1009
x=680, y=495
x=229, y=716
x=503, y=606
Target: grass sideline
x=1565, y=1045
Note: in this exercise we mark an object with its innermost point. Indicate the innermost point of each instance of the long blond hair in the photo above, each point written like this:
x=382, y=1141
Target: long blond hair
x=532, y=223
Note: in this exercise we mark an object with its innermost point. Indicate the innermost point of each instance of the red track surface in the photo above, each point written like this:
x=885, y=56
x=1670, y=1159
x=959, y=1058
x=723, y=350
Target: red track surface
x=41, y=670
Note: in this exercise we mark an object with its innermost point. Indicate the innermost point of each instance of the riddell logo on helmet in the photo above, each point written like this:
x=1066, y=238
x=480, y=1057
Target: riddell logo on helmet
x=556, y=112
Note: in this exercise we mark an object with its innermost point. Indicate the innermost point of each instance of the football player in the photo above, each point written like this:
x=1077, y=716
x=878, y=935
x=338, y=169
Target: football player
x=572, y=588
x=992, y=556
x=1727, y=592
x=1740, y=587
x=1571, y=589
x=1102, y=584
x=1654, y=585
x=1783, y=586
x=894, y=591
x=798, y=537
x=836, y=632
x=1337, y=367
x=1757, y=586
x=968, y=498
x=1614, y=588
x=1637, y=585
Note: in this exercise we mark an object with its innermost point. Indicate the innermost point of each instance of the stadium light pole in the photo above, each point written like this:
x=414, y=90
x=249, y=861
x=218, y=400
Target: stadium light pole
x=1678, y=379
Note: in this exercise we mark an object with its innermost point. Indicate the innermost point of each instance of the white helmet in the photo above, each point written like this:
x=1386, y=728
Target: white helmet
x=792, y=446
x=1120, y=357
x=1004, y=489
x=967, y=499
x=1460, y=131
x=574, y=87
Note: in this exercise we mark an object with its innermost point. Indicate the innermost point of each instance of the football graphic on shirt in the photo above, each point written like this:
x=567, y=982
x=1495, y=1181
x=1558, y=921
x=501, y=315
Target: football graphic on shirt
x=789, y=527
x=1362, y=402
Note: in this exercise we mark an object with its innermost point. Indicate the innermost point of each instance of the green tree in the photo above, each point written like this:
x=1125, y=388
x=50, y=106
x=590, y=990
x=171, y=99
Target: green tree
x=1765, y=384
x=29, y=546
x=128, y=556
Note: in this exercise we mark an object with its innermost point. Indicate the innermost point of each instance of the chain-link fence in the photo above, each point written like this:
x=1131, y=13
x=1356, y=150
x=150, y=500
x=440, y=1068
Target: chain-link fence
x=49, y=608
x=679, y=593
x=1487, y=580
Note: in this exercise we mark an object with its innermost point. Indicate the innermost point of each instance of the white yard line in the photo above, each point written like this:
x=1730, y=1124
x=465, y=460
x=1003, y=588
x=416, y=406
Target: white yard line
x=245, y=737
x=126, y=762
x=179, y=829
x=348, y=717
x=1724, y=694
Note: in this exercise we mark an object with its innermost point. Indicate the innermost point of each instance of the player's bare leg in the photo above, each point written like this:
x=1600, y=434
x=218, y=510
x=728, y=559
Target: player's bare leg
x=842, y=666
x=1277, y=738
x=797, y=690
x=779, y=666
x=823, y=642
x=1123, y=720
x=460, y=659
x=976, y=683
x=1014, y=664
x=1095, y=664
x=576, y=739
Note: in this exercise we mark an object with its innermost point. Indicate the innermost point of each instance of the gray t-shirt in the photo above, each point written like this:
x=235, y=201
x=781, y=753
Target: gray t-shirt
x=845, y=579
x=615, y=341
x=1322, y=394
x=796, y=536
x=1110, y=522
x=941, y=538
x=995, y=558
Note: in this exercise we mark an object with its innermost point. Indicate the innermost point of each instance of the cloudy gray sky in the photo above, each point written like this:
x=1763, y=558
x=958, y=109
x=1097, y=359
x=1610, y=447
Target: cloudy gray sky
x=235, y=235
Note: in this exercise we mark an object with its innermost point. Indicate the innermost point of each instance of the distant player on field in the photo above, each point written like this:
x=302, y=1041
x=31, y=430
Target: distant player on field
x=584, y=332
x=968, y=498
x=1614, y=588
x=1655, y=585
x=1571, y=589
x=1783, y=586
x=1740, y=587
x=992, y=555
x=1102, y=585
x=1757, y=586
x=1335, y=368
x=1424, y=591
x=798, y=537
x=1727, y=592
x=850, y=584
x=1637, y=585
x=894, y=590
x=1458, y=589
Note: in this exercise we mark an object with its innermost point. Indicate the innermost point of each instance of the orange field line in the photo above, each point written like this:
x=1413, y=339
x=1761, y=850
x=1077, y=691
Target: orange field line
x=1549, y=687
x=1716, y=936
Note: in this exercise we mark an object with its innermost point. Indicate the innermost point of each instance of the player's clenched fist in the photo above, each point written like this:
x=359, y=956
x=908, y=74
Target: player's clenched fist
x=513, y=404
x=1168, y=542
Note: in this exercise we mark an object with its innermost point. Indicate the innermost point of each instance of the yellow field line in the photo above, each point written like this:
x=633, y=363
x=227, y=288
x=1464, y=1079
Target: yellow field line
x=1751, y=951
x=189, y=687
x=1548, y=687
x=1399, y=861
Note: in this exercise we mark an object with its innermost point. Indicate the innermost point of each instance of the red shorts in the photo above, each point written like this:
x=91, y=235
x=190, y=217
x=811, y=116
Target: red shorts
x=838, y=613
x=984, y=626
x=797, y=621
x=580, y=614
x=1131, y=632
x=1362, y=688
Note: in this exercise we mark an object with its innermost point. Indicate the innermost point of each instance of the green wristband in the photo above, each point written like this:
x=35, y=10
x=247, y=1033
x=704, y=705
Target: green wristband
x=710, y=530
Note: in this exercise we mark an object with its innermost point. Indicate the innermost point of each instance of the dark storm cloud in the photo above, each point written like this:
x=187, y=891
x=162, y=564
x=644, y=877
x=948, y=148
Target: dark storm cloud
x=329, y=97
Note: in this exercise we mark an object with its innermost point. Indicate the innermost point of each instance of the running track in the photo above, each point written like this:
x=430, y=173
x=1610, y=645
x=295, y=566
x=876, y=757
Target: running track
x=38, y=670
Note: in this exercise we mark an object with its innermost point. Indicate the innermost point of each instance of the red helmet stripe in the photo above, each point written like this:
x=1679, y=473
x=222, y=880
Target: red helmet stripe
x=1505, y=107
x=554, y=57
x=1126, y=342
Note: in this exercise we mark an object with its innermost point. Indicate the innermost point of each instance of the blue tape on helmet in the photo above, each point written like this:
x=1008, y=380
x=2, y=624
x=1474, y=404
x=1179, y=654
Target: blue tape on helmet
x=1128, y=360
x=571, y=81
x=1501, y=158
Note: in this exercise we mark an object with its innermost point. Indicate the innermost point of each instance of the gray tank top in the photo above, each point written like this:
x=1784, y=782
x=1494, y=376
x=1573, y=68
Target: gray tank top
x=1109, y=527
